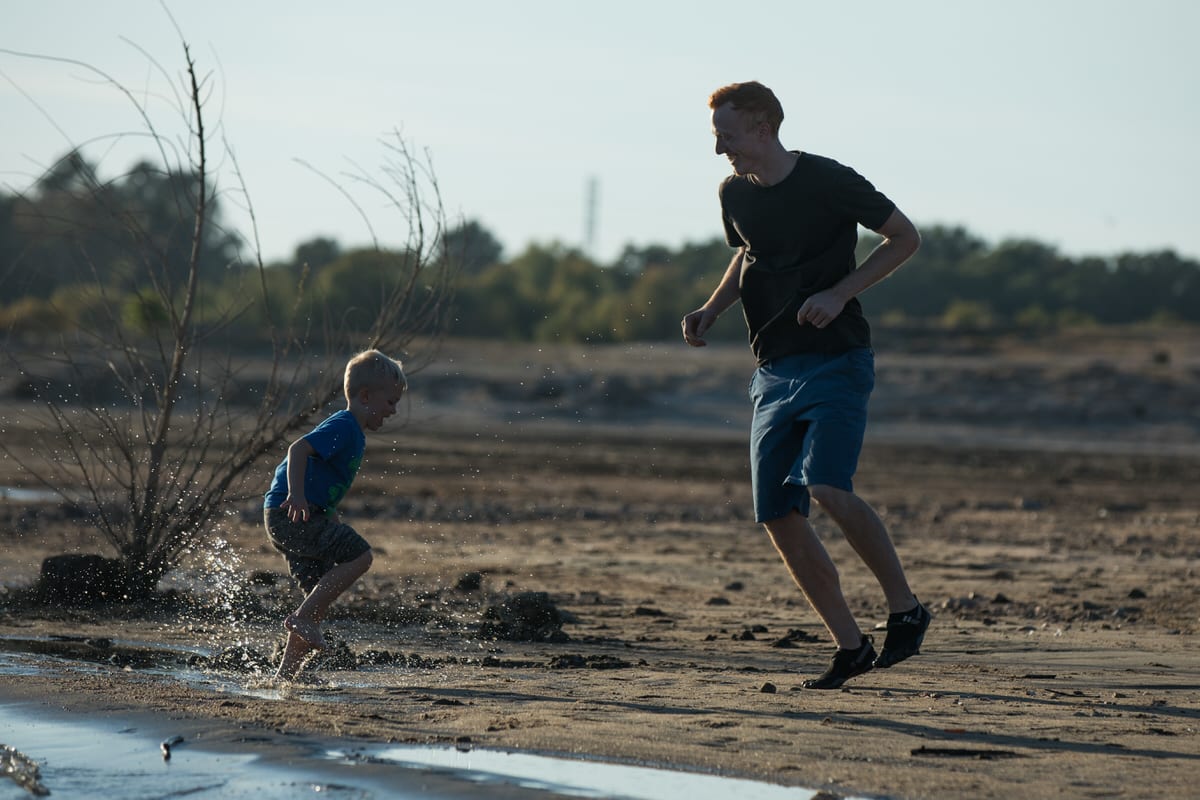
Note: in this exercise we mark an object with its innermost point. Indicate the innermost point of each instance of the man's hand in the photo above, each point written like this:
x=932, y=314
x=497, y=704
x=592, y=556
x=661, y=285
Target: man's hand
x=900, y=241
x=696, y=324
x=820, y=309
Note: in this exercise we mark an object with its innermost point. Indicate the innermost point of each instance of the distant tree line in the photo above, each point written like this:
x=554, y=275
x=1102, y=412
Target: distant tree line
x=63, y=245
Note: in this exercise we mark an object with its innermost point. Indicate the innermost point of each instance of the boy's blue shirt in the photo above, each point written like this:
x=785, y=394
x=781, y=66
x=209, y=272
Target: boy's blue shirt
x=338, y=445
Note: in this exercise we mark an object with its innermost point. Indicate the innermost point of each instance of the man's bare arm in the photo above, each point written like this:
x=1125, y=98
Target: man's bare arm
x=697, y=323
x=900, y=241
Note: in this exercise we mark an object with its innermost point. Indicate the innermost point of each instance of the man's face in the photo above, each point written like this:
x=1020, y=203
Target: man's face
x=739, y=137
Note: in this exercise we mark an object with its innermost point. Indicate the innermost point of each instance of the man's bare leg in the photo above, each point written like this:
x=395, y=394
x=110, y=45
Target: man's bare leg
x=908, y=620
x=867, y=534
x=814, y=572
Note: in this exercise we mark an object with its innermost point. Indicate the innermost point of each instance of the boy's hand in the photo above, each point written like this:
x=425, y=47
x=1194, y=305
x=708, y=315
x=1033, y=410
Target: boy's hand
x=297, y=463
x=297, y=510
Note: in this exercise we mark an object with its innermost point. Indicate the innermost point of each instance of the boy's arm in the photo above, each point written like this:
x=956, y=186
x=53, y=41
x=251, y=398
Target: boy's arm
x=296, y=504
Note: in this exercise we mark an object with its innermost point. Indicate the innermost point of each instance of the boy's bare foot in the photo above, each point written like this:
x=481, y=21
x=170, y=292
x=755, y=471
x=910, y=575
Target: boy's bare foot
x=310, y=632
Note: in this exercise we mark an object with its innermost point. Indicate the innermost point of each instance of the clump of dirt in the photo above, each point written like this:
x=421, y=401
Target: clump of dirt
x=525, y=617
x=237, y=658
x=80, y=579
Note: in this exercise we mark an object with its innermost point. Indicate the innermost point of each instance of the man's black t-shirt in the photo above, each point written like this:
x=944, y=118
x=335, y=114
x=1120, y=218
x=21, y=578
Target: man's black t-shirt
x=799, y=237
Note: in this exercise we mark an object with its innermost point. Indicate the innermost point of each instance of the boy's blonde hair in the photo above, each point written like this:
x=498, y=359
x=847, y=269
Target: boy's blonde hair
x=371, y=369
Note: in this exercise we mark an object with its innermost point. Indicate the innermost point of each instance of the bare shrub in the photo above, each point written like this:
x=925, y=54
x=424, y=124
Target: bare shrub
x=140, y=411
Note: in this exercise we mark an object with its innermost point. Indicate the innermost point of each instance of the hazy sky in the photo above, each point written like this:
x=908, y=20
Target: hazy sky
x=1073, y=122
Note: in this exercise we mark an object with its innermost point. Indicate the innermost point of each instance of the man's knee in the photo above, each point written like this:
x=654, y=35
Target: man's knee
x=791, y=525
x=830, y=498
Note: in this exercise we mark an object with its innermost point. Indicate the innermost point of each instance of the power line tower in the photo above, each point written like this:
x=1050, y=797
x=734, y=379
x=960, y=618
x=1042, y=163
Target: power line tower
x=591, y=197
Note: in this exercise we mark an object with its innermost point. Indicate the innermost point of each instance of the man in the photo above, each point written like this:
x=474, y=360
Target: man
x=793, y=218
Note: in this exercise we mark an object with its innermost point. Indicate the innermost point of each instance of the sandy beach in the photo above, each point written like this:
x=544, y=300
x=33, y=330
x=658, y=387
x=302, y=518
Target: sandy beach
x=566, y=563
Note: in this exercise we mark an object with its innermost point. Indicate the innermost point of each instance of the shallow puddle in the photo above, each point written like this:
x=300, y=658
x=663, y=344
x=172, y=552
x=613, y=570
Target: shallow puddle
x=82, y=759
x=85, y=757
x=577, y=777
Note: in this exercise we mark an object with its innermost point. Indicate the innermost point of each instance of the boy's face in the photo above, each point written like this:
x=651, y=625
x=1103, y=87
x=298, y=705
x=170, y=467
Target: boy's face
x=378, y=404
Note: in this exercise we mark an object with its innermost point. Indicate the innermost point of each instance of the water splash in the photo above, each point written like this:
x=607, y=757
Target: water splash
x=224, y=575
x=221, y=586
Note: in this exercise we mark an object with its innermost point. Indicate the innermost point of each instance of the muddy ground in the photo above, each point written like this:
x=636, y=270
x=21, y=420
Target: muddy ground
x=1041, y=494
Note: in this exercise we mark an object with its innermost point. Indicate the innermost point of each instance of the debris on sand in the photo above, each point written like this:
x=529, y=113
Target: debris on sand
x=577, y=661
x=168, y=744
x=23, y=771
x=985, y=754
x=794, y=635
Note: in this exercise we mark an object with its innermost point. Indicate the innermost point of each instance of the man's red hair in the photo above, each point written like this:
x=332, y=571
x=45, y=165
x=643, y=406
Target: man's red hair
x=750, y=97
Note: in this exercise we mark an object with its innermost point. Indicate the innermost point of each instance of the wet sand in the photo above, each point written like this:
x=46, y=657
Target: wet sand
x=1060, y=566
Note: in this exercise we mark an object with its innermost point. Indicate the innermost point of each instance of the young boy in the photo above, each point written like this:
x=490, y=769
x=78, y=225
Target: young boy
x=324, y=555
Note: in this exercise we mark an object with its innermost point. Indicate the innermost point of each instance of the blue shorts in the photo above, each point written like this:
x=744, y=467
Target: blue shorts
x=314, y=547
x=810, y=415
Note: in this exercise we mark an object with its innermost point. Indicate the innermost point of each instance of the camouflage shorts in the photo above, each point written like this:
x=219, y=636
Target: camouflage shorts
x=312, y=548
